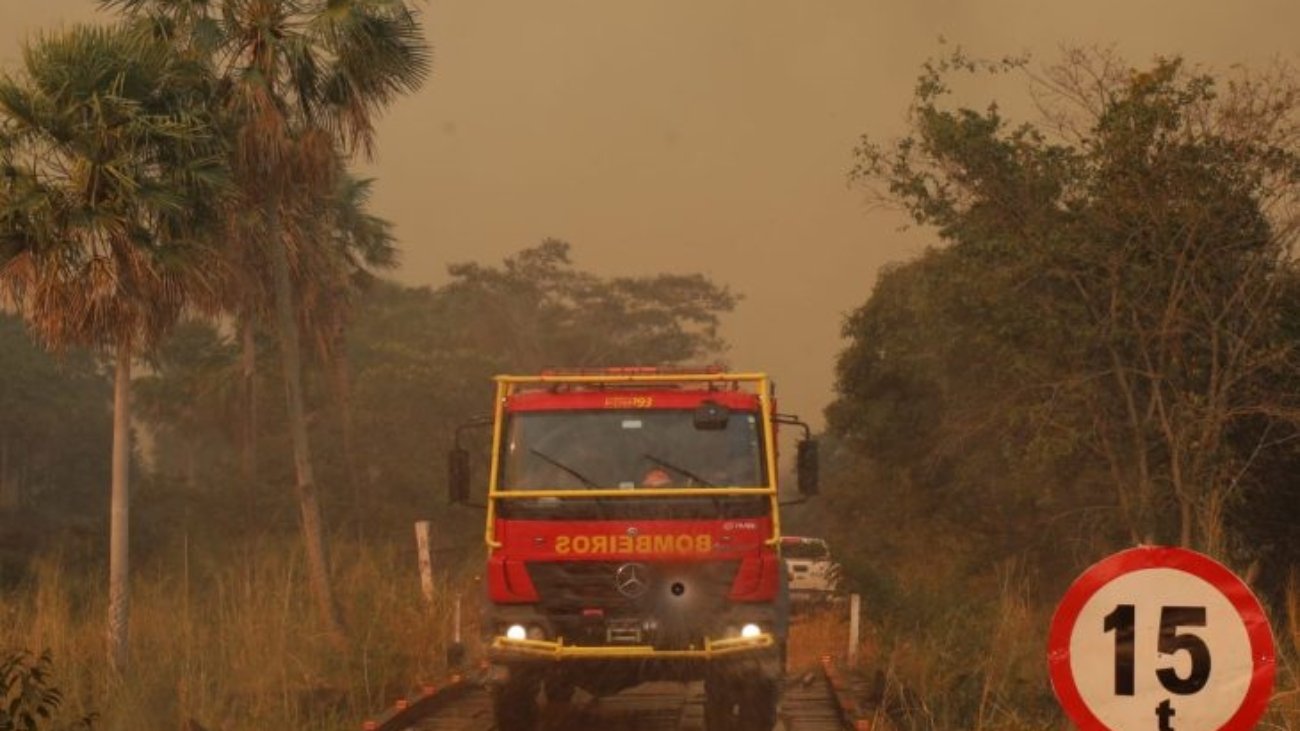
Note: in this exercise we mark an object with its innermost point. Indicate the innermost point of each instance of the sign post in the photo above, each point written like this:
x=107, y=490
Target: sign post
x=423, y=547
x=855, y=608
x=1161, y=639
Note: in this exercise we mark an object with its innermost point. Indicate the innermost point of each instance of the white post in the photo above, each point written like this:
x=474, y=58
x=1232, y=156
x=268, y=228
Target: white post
x=456, y=650
x=855, y=604
x=426, y=559
x=456, y=629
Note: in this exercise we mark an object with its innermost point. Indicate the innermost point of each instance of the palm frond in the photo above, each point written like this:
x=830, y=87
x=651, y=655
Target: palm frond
x=110, y=166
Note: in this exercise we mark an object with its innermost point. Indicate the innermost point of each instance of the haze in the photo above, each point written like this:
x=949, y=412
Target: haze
x=710, y=136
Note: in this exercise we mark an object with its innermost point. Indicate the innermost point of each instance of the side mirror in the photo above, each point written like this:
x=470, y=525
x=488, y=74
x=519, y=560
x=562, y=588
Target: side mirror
x=458, y=475
x=711, y=416
x=807, y=467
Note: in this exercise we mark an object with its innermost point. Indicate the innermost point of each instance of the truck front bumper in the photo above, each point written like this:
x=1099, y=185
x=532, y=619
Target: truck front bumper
x=504, y=649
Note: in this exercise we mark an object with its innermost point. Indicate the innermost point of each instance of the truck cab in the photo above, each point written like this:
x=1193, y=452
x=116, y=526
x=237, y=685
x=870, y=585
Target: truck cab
x=633, y=534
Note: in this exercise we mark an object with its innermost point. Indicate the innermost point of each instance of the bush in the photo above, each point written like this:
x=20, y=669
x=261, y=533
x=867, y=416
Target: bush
x=28, y=697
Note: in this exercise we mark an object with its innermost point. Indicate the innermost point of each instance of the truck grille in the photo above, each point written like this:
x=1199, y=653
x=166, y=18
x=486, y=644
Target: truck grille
x=678, y=605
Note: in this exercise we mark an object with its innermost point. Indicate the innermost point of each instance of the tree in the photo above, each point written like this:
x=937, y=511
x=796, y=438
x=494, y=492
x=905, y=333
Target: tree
x=300, y=79
x=1113, y=279
x=108, y=163
x=942, y=388
x=357, y=243
x=536, y=310
x=190, y=395
x=54, y=423
x=423, y=358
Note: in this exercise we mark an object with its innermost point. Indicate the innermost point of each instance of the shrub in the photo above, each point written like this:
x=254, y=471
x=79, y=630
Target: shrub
x=28, y=697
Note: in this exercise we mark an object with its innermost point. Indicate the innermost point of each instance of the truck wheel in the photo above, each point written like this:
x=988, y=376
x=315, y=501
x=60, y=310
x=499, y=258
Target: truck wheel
x=514, y=702
x=721, y=712
x=758, y=707
x=558, y=691
x=740, y=704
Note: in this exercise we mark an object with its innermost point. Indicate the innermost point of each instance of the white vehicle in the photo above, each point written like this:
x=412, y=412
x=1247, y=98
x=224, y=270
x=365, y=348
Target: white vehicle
x=813, y=576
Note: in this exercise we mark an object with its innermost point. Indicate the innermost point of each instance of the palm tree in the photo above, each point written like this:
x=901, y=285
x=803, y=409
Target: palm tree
x=358, y=243
x=301, y=79
x=107, y=165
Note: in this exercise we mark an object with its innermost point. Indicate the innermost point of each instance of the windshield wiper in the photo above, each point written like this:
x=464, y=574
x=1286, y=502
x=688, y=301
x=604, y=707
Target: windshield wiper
x=583, y=478
x=717, y=504
x=600, y=506
x=680, y=470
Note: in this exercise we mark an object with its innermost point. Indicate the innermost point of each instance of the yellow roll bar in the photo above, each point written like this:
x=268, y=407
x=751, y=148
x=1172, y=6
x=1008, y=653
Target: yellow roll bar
x=557, y=650
x=507, y=385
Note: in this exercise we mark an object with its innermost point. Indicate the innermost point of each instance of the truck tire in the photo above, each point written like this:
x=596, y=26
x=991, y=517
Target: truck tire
x=514, y=702
x=558, y=690
x=740, y=704
x=758, y=712
x=720, y=712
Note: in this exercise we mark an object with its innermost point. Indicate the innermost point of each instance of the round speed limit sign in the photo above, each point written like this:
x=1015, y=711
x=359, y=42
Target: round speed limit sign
x=1163, y=639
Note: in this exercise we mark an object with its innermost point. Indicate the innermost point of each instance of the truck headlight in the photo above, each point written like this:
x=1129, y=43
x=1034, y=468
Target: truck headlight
x=750, y=630
x=516, y=632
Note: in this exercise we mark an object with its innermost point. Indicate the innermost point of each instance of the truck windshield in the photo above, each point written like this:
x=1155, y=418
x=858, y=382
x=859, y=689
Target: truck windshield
x=628, y=450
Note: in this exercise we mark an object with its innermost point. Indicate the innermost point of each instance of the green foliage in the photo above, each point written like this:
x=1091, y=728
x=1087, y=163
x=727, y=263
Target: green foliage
x=1105, y=316
x=536, y=311
x=1100, y=352
x=421, y=362
x=300, y=86
x=110, y=161
x=190, y=398
x=28, y=698
x=422, y=359
x=110, y=167
x=55, y=423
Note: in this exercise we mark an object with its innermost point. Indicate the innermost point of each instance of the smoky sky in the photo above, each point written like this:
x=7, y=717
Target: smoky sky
x=709, y=136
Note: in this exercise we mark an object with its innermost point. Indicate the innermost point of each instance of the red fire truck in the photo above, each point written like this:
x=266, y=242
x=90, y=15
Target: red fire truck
x=633, y=534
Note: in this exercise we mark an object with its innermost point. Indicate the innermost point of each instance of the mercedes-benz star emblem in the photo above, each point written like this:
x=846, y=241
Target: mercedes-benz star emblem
x=632, y=580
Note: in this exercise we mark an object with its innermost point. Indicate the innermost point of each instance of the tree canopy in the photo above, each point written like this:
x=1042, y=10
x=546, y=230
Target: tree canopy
x=1104, y=326
x=537, y=310
x=1099, y=349
x=423, y=358
x=54, y=423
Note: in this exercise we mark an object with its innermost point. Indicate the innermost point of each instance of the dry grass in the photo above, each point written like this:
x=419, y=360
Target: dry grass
x=981, y=665
x=1284, y=709
x=973, y=662
x=814, y=633
x=235, y=644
